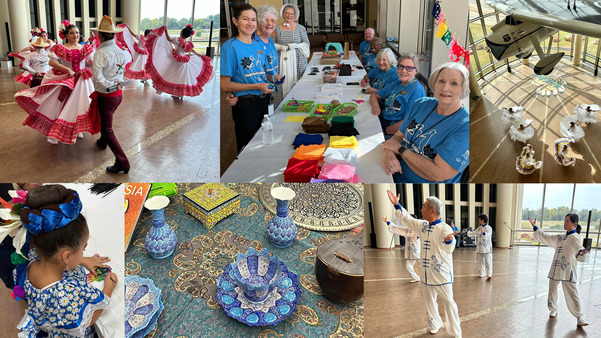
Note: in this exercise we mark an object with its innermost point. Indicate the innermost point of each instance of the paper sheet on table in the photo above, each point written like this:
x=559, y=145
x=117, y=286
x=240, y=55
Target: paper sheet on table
x=105, y=218
x=295, y=118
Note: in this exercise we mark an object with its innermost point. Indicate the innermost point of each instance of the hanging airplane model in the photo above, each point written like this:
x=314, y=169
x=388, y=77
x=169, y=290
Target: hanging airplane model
x=530, y=21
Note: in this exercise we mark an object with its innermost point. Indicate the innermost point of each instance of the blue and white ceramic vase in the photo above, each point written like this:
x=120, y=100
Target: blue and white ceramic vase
x=281, y=230
x=160, y=239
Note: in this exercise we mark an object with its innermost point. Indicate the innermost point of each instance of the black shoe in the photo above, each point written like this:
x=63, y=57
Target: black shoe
x=100, y=144
x=116, y=170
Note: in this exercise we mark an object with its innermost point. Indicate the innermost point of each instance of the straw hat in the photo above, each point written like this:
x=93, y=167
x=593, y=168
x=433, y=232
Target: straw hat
x=40, y=43
x=106, y=25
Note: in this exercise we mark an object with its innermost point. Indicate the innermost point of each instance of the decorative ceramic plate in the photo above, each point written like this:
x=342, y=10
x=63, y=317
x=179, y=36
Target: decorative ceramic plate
x=280, y=303
x=143, y=306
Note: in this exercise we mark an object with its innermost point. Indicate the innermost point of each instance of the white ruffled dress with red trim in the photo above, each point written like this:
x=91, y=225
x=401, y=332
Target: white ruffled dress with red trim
x=25, y=77
x=139, y=55
x=171, y=70
x=58, y=107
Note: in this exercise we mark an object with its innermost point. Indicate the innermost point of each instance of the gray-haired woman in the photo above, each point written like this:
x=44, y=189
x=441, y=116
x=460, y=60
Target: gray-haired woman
x=384, y=74
x=432, y=144
x=399, y=97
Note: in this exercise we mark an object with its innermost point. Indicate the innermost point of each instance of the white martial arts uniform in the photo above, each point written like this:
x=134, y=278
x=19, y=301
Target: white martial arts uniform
x=412, y=247
x=437, y=269
x=563, y=269
x=483, y=249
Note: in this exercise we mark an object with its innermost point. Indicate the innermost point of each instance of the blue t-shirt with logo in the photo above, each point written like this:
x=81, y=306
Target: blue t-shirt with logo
x=429, y=134
x=364, y=49
x=369, y=62
x=271, y=56
x=398, y=104
x=378, y=79
x=244, y=63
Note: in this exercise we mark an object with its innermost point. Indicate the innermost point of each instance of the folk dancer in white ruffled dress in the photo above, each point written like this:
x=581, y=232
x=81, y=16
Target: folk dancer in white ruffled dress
x=570, y=128
x=58, y=107
x=483, y=234
x=587, y=113
x=437, y=261
x=173, y=71
x=568, y=251
x=135, y=69
x=412, y=246
x=512, y=115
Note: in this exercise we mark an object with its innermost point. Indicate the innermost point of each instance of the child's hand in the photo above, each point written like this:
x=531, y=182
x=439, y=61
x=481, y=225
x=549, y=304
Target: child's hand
x=91, y=262
x=110, y=282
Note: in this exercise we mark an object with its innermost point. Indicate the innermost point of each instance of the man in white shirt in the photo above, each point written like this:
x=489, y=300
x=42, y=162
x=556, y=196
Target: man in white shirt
x=483, y=235
x=109, y=66
x=437, y=240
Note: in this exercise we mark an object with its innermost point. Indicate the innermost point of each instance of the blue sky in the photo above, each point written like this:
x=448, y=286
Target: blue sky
x=588, y=196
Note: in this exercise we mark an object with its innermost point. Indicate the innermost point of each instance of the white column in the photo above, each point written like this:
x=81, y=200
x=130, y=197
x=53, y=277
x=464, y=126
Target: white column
x=42, y=15
x=131, y=14
x=71, y=11
x=486, y=198
x=19, y=24
x=85, y=19
x=471, y=207
x=56, y=8
x=382, y=207
x=113, y=9
x=410, y=200
x=457, y=205
x=577, y=50
x=99, y=12
x=505, y=213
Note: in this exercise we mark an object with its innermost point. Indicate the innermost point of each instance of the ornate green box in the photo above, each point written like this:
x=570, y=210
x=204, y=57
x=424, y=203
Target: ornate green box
x=210, y=203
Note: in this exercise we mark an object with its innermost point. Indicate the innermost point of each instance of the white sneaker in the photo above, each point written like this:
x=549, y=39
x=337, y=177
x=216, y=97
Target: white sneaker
x=415, y=281
x=52, y=140
x=434, y=331
x=581, y=322
x=553, y=314
x=79, y=135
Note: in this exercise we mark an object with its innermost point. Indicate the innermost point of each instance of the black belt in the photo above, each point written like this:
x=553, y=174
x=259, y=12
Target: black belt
x=249, y=96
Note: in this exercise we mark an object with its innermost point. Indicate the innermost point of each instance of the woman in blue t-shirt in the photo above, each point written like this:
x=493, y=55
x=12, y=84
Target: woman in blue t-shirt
x=398, y=97
x=432, y=144
x=244, y=71
x=382, y=75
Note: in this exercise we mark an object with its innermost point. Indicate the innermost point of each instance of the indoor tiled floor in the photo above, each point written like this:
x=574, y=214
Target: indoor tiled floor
x=512, y=304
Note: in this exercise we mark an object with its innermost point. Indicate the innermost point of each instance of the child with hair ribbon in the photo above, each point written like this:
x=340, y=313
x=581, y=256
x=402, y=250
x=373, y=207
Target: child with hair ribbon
x=53, y=280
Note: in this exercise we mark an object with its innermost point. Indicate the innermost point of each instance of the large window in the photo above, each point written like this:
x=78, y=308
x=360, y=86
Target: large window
x=549, y=203
x=177, y=14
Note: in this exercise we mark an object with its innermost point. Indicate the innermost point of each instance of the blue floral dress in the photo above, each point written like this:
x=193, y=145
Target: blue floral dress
x=62, y=309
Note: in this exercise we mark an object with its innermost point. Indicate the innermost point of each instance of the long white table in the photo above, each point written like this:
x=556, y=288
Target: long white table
x=267, y=163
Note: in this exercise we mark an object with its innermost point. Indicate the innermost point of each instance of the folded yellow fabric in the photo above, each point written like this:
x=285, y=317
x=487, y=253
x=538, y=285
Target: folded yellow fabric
x=310, y=152
x=343, y=142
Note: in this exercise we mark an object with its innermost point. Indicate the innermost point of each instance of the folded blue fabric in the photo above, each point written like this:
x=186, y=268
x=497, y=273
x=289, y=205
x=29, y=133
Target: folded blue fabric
x=306, y=139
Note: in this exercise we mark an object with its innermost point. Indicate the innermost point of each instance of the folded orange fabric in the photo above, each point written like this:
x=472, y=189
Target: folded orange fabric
x=310, y=152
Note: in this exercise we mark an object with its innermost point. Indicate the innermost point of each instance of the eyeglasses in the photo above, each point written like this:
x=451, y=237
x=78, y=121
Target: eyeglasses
x=407, y=68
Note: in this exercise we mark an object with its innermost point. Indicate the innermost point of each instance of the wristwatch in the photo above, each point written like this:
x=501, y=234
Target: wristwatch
x=401, y=150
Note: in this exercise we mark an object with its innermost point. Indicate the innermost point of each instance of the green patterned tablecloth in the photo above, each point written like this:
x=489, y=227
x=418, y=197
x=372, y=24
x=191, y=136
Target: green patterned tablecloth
x=187, y=278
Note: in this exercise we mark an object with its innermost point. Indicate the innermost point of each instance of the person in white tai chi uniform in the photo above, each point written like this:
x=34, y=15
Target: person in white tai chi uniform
x=412, y=246
x=437, y=243
x=568, y=250
x=483, y=235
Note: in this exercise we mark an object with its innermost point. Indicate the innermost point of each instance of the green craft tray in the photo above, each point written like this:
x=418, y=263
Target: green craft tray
x=289, y=109
x=335, y=111
x=326, y=116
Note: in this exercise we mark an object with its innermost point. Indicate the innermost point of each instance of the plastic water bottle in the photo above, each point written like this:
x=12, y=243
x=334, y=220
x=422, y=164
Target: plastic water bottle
x=267, y=129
